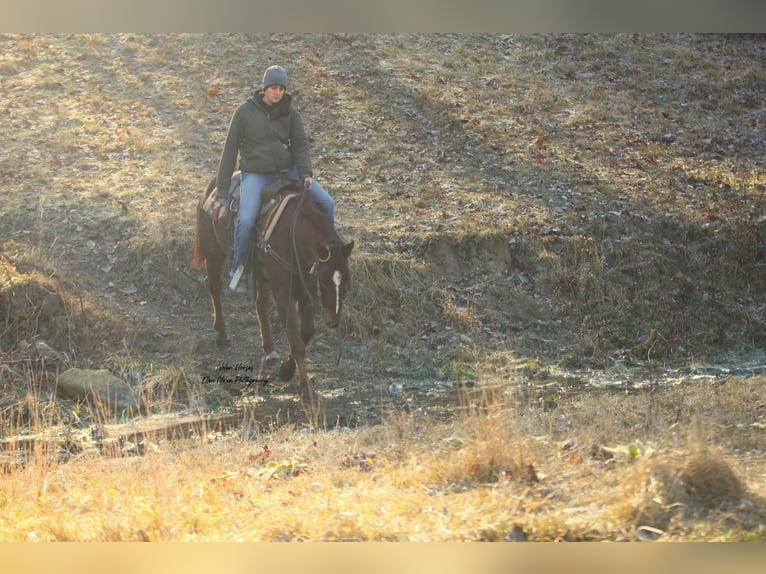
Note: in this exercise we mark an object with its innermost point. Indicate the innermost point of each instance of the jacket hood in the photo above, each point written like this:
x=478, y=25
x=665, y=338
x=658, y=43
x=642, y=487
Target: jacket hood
x=281, y=108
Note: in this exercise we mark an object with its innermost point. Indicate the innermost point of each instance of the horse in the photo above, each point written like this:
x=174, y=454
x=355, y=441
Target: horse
x=302, y=265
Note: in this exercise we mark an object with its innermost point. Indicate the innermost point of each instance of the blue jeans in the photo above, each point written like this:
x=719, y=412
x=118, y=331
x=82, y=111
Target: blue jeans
x=252, y=186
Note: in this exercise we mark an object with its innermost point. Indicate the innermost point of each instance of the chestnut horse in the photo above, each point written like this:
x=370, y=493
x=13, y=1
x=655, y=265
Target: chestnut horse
x=302, y=265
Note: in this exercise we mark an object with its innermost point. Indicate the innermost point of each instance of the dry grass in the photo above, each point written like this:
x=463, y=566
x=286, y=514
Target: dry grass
x=498, y=472
x=522, y=205
x=671, y=489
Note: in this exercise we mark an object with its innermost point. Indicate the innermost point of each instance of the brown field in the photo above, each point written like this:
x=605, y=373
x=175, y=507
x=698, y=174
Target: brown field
x=556, y=326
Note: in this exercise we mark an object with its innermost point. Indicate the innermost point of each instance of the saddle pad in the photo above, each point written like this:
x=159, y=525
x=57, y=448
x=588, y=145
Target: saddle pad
x=218, y=209
x=214, y=207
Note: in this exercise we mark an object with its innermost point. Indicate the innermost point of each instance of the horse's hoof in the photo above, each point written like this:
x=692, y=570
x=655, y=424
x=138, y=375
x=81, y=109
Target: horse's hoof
x=223, y=342
x=287, y=369
x=271, y=359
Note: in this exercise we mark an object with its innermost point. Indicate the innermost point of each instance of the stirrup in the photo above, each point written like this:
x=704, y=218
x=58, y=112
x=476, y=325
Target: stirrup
x=236, y=277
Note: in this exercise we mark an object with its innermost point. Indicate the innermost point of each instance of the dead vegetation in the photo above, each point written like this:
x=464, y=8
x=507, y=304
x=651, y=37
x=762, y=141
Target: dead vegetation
x=500, y=472
x=523, y=205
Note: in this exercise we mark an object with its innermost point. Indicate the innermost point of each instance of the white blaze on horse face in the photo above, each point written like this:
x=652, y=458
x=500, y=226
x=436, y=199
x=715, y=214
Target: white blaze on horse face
x=336, y=278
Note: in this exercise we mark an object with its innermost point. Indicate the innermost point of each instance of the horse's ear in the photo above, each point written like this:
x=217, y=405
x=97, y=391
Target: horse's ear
x=347, y=249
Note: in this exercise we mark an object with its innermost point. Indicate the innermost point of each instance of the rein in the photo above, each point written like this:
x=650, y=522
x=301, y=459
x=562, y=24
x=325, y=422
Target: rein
x=294, y=243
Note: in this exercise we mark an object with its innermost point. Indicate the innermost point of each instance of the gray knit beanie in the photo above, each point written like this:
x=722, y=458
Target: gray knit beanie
x=275, y=75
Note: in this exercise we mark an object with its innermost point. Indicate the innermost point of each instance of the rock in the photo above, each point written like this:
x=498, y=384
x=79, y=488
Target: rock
x=98, y=387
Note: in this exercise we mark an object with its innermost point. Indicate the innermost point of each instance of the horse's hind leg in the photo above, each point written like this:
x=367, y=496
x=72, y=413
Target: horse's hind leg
x=214, y=268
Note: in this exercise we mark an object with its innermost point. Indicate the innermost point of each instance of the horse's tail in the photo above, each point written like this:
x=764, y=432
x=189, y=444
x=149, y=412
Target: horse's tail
x=198, y=259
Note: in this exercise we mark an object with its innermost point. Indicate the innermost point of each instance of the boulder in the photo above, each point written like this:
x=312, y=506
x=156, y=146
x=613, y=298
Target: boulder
x=98, y=387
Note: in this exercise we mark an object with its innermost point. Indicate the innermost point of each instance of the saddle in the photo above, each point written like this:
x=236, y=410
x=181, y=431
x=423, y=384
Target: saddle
x=270, y=214
x=223, y=209
x=219, y=208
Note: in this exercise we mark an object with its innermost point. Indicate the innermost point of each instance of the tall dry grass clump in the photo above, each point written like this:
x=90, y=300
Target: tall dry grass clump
x=670, y=487
x=710, y=481
x=483, y=446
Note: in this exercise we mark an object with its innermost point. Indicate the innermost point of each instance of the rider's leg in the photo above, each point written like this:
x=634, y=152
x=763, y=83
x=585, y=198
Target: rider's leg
x=323, y=199
x=249, y=206
x=319, y=195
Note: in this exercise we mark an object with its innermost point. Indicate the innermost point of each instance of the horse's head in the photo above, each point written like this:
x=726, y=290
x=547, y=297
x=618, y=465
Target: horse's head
x=334, y=280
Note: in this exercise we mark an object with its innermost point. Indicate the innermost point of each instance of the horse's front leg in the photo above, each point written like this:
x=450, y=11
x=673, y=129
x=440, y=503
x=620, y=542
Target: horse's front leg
x=307, y=394
x=291, y=319
x=282, y=301
x=262, y=300
x=301, y=333
x=306, y=310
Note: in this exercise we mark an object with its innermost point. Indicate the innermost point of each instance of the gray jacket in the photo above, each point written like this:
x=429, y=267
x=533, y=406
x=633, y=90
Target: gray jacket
x=268, y=139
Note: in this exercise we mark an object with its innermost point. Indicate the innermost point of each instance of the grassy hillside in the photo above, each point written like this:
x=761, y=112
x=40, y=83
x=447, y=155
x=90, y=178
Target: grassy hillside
x=606, y=192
